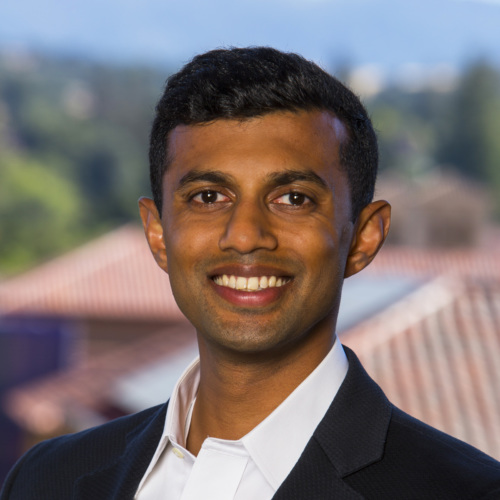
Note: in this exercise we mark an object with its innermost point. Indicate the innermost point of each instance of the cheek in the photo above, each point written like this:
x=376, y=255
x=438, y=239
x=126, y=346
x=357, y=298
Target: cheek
x=324, y=251
x=317, y=242
x=188, y=246
x=182, y=236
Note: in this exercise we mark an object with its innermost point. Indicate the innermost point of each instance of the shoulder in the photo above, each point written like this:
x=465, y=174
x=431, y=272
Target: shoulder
x=55, y=464
x=420, y=458
x=99, y=443
x=425, y=443
x=397, y=454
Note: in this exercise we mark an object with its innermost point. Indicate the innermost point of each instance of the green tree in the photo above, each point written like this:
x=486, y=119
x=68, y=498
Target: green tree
x=471, y=138
x=39, y=213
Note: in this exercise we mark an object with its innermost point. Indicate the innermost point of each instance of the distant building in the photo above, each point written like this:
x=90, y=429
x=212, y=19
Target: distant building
x=437, y=209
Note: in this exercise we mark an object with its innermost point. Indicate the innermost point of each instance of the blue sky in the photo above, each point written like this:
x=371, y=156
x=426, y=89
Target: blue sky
x=385, y=32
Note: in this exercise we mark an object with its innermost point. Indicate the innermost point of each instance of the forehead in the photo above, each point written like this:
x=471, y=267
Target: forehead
x=278, y=140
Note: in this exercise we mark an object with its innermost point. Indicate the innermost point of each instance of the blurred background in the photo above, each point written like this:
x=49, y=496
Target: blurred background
x=88, y=327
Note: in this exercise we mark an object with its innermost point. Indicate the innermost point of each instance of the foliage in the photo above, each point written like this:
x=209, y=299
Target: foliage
x=40, y=211
x=471, y=140
x=75, y=132
x=458, y=129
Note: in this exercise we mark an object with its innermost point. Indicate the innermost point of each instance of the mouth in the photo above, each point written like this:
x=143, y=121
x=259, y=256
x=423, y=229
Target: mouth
x=250, y=284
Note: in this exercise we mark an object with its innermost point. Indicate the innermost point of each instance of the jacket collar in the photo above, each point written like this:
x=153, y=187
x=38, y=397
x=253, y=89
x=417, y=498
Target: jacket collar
x=351, y=436
x=354, y=429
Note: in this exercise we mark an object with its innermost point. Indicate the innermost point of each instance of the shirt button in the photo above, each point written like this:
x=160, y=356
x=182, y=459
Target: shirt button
x=178, y=453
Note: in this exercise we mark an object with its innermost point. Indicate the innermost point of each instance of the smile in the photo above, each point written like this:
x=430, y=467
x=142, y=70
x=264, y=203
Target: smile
x=252, y=284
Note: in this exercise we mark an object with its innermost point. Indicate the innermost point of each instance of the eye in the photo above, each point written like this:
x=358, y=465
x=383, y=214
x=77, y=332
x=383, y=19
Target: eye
x=295, y=199
x=209, y=197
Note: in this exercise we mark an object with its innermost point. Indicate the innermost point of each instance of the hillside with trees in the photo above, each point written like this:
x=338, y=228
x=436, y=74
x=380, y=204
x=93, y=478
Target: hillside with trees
x=73, y=145
x=73, y=152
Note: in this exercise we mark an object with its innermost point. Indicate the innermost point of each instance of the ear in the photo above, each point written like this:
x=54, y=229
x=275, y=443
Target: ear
x=153, y=230
x=371, y=230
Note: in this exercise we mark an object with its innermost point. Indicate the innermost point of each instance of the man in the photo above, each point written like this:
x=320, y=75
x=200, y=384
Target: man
x=263, y=169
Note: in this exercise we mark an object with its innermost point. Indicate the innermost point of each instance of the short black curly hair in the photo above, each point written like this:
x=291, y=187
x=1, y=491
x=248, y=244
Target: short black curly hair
x=241, y=83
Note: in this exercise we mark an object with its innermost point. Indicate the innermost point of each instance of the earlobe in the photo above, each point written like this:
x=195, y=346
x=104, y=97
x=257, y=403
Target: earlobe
x=153, y=229
x=371, y=231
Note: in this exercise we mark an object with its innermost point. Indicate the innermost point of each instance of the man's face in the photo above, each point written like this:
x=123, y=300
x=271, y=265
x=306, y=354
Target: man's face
x=257, y=228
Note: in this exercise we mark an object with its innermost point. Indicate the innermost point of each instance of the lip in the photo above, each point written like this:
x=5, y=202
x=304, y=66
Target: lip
x=243, y=298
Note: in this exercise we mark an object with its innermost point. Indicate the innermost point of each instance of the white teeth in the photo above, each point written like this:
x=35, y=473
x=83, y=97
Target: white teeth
x=241, y=283
x=232, y=282
x=251, y=284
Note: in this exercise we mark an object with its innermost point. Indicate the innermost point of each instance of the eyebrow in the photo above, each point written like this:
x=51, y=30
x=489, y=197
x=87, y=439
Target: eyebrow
x=214, y=176
x=289, y=176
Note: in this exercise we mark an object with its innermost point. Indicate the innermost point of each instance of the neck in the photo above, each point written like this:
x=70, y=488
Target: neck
x=236, y=394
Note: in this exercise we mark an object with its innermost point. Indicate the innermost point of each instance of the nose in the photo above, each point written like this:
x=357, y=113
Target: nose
x=248, y=229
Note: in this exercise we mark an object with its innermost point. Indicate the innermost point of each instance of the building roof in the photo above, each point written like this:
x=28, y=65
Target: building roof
x=436, y=354
x=114, y=276
x=429, y=262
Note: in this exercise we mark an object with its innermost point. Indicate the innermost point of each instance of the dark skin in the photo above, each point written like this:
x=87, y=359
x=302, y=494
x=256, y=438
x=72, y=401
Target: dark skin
x=264, y=200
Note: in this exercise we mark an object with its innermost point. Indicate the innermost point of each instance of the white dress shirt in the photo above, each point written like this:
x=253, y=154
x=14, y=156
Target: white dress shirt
x=251, y=467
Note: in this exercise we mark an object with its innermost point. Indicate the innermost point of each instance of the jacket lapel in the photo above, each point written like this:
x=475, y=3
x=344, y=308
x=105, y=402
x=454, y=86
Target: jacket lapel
x=314, y=477
x=351, y=436
x=119, y=479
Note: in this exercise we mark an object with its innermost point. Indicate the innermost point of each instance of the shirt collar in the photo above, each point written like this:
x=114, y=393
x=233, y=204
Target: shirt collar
x=179, y=408
x=277, y=442
x=178, y=413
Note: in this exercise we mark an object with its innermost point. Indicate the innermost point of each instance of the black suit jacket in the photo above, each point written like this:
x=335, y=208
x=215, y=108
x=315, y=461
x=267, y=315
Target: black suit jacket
x=363, y=448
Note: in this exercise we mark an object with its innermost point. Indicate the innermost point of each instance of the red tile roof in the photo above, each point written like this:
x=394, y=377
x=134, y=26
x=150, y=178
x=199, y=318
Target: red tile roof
x=114, y=276
x=428, y=262
x=436, y=354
